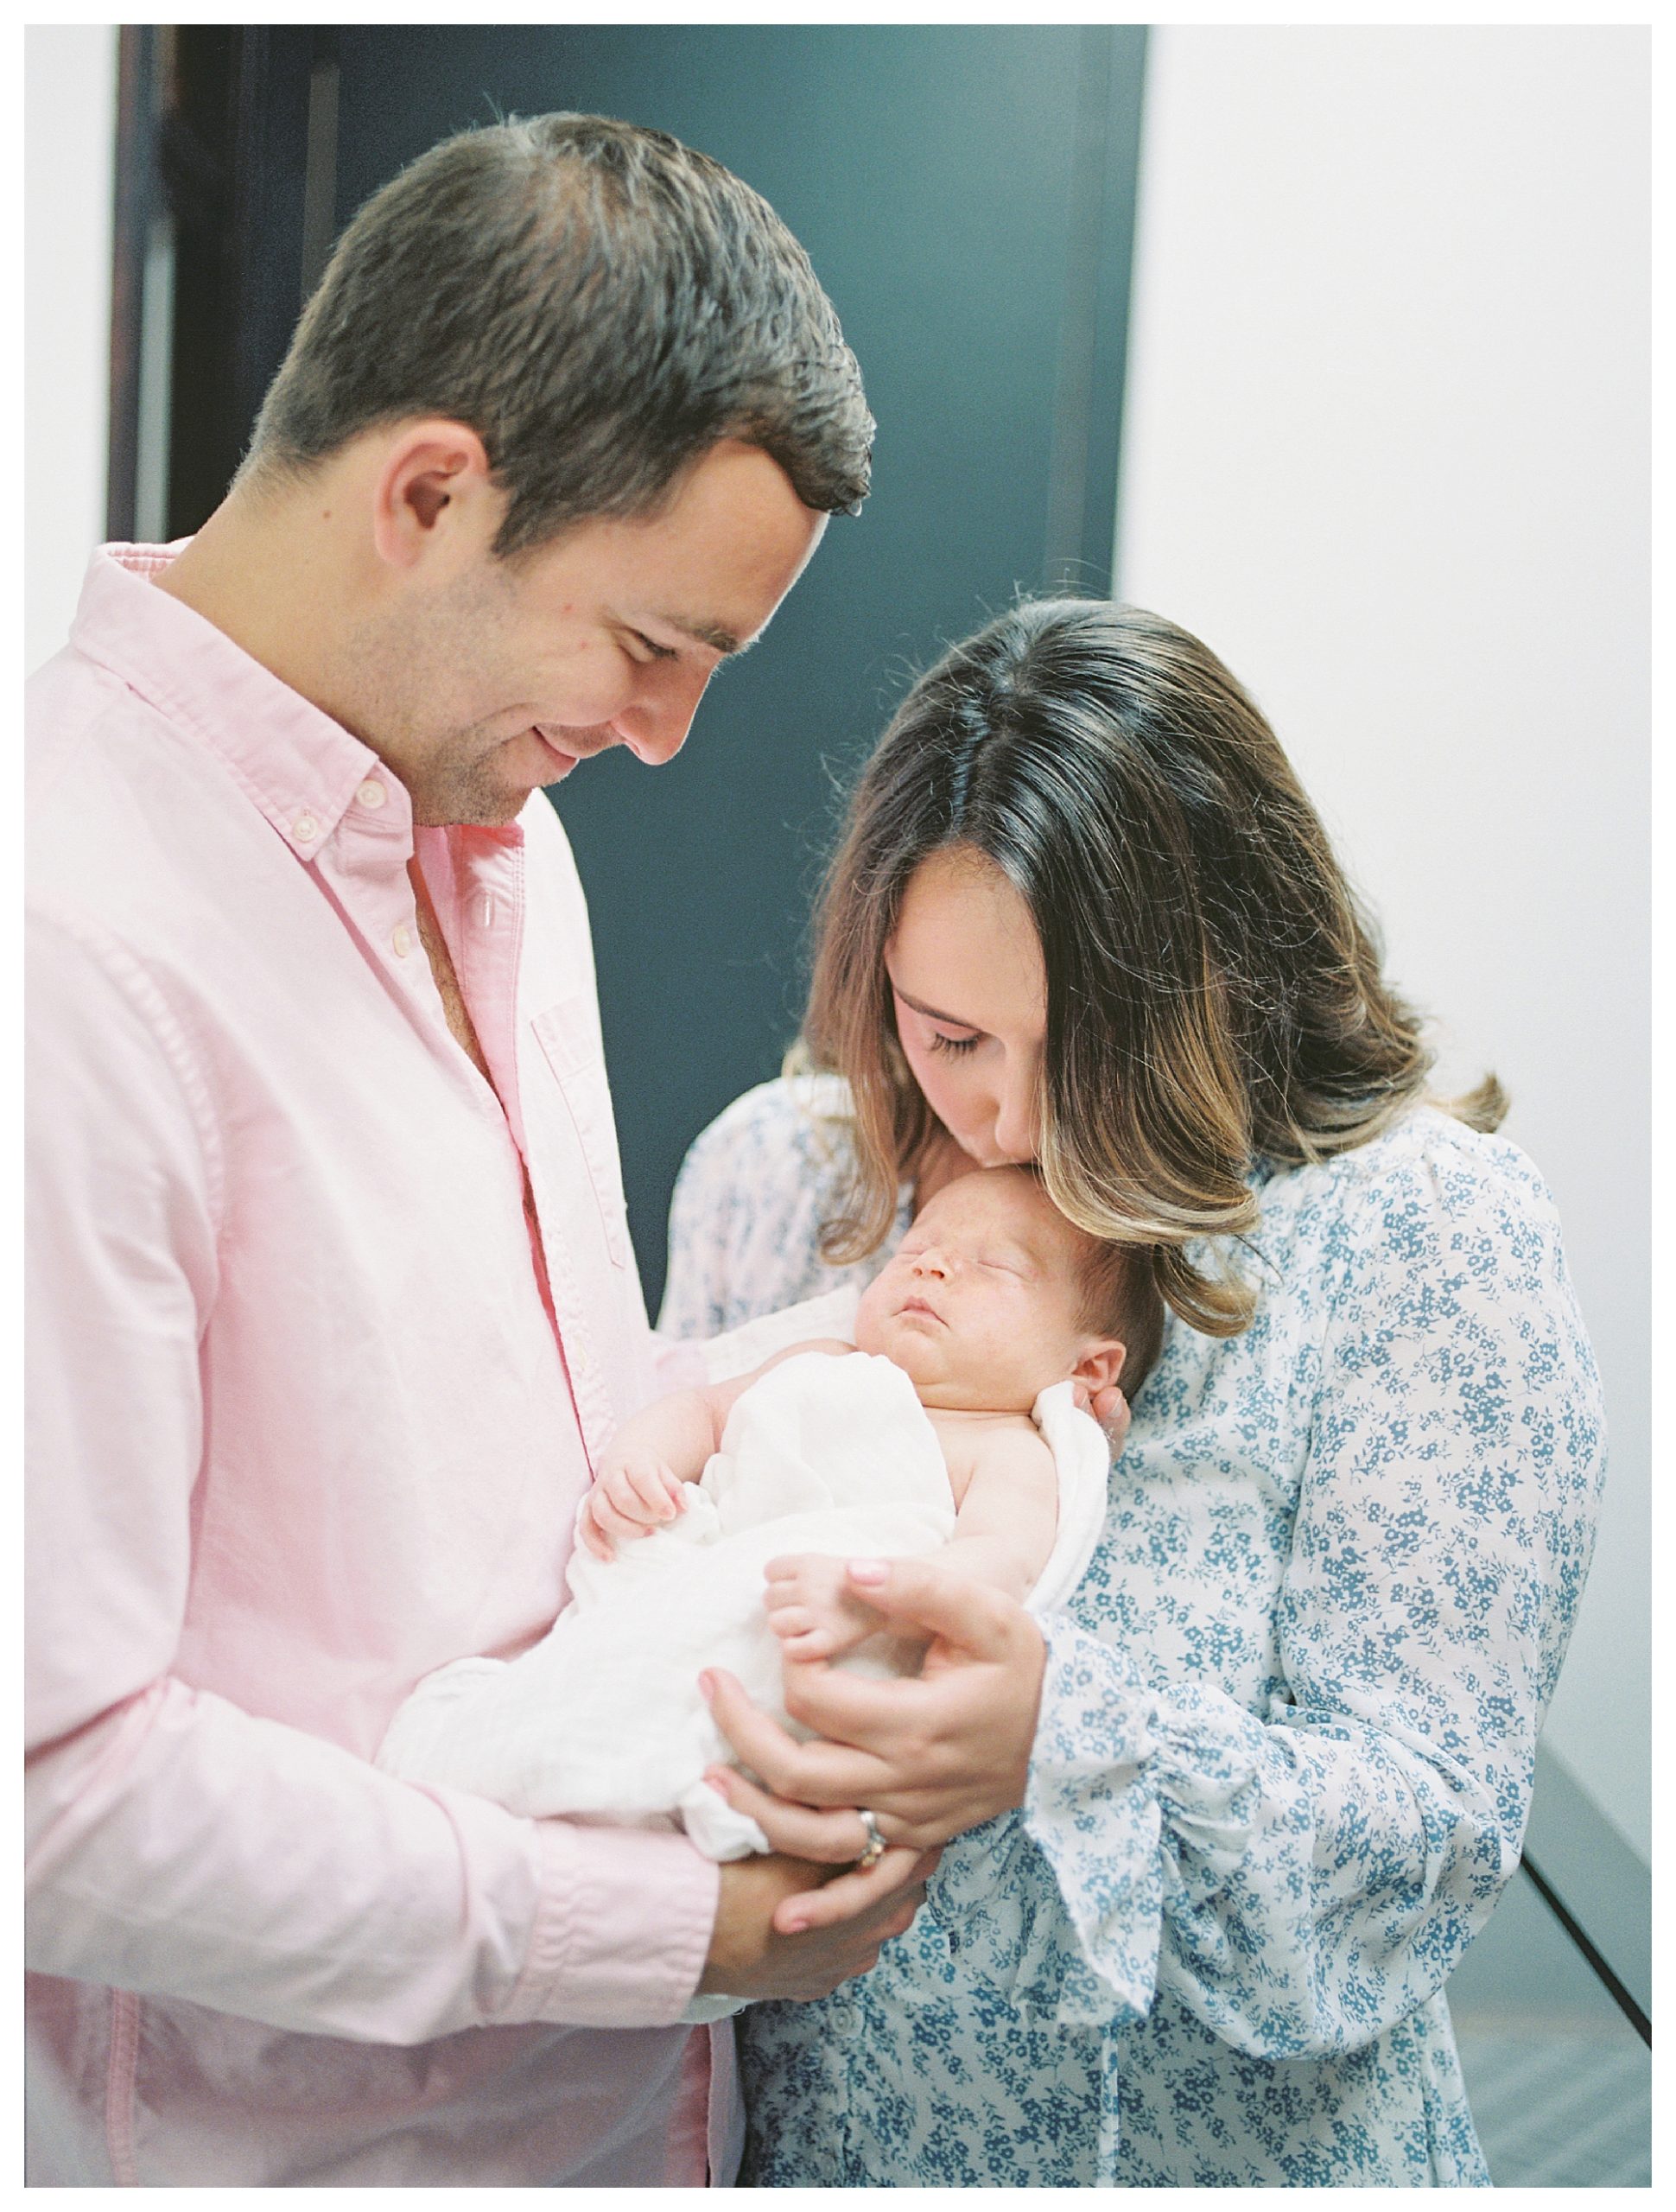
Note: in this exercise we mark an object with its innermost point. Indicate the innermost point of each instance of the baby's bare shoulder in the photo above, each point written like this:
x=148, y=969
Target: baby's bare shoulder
x=834, y=1345
x=1013, y=1441
x=1012, y=1482
x=981, y=1443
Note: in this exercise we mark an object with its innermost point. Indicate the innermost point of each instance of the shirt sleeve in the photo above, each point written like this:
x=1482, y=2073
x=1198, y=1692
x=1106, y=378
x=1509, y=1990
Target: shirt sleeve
x=1303, y=1878
x=179, y=1844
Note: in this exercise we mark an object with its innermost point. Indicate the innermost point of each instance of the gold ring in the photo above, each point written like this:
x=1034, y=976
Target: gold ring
x=875, y=1847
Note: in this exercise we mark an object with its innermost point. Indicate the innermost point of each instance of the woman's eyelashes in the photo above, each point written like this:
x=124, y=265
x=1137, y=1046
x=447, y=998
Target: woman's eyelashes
x=953, y=1045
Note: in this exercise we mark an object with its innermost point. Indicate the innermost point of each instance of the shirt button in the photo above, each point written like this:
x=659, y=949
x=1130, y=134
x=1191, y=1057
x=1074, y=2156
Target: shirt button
x=843, y=2017
x=402, y=940
x=371, y=792
x=305, y=829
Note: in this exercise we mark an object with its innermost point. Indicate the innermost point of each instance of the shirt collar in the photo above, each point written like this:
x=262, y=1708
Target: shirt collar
x=301, y=767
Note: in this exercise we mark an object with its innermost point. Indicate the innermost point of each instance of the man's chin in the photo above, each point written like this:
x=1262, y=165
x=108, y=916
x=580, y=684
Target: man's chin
x=496, y=807
x=475, y=796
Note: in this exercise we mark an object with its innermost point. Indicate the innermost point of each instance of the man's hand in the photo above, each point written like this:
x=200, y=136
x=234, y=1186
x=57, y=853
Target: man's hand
x=636, y=1492
x=814, y=1609
x=783, y=1929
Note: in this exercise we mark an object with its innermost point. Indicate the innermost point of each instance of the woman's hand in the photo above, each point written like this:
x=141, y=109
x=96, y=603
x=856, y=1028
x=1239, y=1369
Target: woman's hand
x=774, y=1937
x=929, y=1757
x=1110, y=1409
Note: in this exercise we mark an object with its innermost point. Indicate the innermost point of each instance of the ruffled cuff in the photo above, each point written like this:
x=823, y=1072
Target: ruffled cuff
x=1141, y=1804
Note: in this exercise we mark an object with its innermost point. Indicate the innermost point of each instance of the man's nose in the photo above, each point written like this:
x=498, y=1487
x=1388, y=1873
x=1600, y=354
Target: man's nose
x=655, y=727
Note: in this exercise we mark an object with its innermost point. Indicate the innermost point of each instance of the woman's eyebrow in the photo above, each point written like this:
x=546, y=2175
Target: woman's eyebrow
x=930, y=1012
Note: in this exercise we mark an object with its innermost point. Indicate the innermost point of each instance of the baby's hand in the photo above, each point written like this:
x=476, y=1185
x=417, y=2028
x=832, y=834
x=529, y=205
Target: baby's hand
x=635, y=1493
x=813, y=1610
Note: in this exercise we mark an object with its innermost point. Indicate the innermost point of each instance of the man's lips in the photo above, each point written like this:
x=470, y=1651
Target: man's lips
x=563, y=761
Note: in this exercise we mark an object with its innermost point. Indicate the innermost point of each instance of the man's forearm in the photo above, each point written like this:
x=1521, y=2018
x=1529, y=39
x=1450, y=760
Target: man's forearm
x=181, y=1846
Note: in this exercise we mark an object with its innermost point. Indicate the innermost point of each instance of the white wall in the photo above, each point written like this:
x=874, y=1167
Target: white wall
x=1387, y=450
x=69, y=152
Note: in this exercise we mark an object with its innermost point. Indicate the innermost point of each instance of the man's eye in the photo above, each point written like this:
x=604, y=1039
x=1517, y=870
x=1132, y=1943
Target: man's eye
x=654, y=650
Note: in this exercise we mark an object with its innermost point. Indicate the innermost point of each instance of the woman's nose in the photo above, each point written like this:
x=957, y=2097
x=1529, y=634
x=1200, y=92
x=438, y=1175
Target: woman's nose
x=1018, y=1119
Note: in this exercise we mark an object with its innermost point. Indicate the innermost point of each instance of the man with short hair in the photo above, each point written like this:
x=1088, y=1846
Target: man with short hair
x=332, y=1305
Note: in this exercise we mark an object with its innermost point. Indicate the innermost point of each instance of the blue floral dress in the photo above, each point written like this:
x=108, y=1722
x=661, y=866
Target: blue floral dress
x=1288, y=1721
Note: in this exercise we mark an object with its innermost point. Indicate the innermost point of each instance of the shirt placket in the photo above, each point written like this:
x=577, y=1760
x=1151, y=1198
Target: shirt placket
x=486, y=899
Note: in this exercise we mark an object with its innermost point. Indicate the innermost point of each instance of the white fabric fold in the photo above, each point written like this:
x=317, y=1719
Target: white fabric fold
x=603, y=1720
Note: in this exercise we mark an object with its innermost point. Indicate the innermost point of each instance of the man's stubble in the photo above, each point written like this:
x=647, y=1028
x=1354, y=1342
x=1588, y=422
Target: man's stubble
x=448, y=647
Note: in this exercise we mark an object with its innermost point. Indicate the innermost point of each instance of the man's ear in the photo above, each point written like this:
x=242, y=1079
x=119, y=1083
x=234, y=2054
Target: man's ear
x=435, y=481
x=1100, y=1364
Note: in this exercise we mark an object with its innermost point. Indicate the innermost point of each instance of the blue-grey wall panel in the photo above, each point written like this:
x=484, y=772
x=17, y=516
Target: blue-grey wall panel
x=966, y=194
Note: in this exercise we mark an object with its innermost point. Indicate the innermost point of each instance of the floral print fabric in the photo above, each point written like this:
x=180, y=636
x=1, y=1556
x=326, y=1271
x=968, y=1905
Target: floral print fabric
x=1288, y=1721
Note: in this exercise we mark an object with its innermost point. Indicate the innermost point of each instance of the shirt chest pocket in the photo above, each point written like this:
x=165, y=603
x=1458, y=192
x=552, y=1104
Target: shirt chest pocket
x=566, y=1036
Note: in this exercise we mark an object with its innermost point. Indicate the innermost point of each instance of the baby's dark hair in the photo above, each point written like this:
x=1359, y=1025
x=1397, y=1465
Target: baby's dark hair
x=1120, y=1299
x=1120, y=1296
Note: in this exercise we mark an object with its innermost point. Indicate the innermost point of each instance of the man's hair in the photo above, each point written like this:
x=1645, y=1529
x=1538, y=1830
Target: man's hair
x=599, y=302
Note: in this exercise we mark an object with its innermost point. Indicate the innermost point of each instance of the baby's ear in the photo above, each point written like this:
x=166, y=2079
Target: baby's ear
x=1100, y=1364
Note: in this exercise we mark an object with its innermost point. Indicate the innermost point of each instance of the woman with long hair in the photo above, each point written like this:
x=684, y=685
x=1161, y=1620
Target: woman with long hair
x=1218, y=1832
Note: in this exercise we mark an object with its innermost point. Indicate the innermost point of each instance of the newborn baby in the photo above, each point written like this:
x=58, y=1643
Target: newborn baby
x=991, y=1297
x=917, y=1437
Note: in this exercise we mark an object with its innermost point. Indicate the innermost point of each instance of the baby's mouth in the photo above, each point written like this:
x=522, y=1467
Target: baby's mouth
x=918, y=1306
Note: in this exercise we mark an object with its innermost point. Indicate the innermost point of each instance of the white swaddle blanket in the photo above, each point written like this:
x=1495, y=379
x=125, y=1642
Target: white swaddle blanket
x=603, y=1720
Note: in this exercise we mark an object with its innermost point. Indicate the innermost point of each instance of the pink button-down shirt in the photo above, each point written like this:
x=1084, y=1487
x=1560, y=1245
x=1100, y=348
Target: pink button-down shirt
x=301, y=1429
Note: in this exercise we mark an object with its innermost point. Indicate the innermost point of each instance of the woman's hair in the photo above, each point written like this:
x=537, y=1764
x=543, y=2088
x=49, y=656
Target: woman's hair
x=1214, y=993
x=600, y=302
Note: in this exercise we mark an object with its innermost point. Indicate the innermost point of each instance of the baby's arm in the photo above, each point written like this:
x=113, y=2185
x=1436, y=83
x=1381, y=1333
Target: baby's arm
x=1009, y=1516
x=1004, y=1532
x=638, y=1486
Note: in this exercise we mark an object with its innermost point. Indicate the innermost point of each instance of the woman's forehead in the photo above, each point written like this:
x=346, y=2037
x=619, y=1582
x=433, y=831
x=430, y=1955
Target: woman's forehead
x=965, y=949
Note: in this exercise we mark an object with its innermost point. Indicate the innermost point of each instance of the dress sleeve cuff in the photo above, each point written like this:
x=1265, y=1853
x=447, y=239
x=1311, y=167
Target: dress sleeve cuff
x=1141, y=1805
x=622, y=1930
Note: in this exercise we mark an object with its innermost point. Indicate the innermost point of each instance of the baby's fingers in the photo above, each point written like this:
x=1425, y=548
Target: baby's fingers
x=619, y=1520
x=647, y=1487
x=796, y=1568
x=594, y=1537
x=803, y=1635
